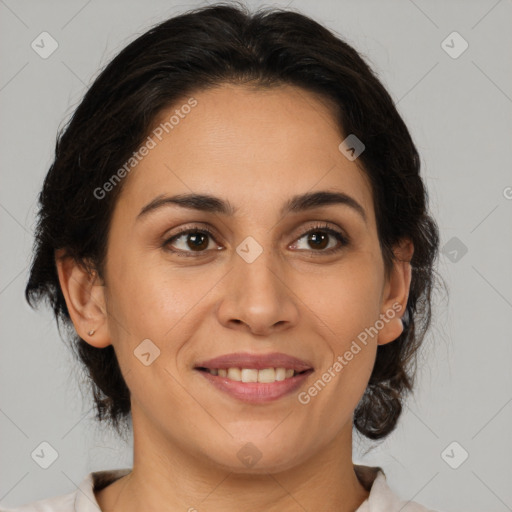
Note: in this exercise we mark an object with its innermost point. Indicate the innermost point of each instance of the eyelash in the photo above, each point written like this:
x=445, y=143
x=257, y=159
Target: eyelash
x=206, y=231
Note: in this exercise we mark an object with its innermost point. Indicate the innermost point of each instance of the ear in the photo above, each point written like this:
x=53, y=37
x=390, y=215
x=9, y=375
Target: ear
x=396, y=293
x=85, y=299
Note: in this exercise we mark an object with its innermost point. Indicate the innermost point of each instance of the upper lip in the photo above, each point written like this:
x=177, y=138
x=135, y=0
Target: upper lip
x=256, y=361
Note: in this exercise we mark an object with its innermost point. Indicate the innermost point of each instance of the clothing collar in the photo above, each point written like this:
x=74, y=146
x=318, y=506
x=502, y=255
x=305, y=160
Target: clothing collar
x=372, y=478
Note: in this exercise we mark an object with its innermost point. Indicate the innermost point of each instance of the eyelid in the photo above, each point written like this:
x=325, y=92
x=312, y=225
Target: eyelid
x=344, y=239
x=324, y=226
x=184, y=230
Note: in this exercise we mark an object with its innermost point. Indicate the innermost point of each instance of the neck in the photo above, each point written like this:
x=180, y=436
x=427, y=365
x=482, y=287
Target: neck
x=175, y=479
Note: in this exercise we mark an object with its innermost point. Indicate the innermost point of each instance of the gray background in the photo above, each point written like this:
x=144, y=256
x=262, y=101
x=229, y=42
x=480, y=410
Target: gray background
x=459, y=111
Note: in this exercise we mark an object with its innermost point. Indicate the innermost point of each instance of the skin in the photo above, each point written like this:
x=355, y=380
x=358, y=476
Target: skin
x=255, y=148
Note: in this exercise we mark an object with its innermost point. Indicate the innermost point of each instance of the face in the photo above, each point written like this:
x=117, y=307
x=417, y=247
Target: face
x=256, y=272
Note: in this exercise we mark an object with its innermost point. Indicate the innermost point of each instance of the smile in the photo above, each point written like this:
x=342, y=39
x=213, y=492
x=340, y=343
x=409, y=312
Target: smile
x=266, y=375
x=255, y=378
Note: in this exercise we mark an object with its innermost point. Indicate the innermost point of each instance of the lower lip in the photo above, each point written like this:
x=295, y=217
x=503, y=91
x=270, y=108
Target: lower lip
x=257, y=392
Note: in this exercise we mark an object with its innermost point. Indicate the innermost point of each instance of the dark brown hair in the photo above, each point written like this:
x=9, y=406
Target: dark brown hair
x=207, y=47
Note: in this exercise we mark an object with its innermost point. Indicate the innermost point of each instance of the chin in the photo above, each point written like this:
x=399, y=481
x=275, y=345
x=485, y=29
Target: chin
x=259, y=454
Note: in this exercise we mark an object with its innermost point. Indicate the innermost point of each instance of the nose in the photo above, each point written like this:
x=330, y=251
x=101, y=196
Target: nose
x=258, y=297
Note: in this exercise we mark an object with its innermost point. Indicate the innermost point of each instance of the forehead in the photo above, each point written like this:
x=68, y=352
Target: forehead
x=255, y=147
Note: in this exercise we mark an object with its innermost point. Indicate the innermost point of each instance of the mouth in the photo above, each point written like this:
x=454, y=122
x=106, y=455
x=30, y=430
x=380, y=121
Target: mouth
x=266, y=375
x=255, y=378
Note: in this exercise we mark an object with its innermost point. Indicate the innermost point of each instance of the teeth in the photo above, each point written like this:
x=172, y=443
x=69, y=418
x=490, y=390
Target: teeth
x=234, y=374
x=280, y=373
x=249, y=375
x=267, y=375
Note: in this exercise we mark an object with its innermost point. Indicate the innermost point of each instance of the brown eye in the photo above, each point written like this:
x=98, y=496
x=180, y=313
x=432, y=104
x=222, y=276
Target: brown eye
x=197, y=241
x=318, y=239
x=190, y=240
x=321, y=239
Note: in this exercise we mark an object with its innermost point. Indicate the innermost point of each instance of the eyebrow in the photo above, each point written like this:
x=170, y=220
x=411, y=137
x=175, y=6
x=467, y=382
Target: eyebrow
x=211, y=204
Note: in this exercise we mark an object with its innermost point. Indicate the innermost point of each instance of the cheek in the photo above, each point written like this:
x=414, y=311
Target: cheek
x=156, y=303
x=152, y=298
x=159, y=305
x=346, y=305
x=346, y=299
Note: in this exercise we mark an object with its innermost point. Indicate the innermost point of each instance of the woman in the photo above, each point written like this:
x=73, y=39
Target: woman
x=236, y=229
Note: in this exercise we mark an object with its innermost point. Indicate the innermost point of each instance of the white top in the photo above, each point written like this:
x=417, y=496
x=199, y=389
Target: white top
x=380, y=499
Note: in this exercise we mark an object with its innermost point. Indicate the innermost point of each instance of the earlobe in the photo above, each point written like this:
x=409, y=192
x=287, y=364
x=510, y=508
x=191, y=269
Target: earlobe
x=396, y=293
x=85, y=299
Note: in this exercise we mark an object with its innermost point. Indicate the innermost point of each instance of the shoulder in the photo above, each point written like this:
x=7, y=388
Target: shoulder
x=64, y=503
x=381, y=497
x=80, y=500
